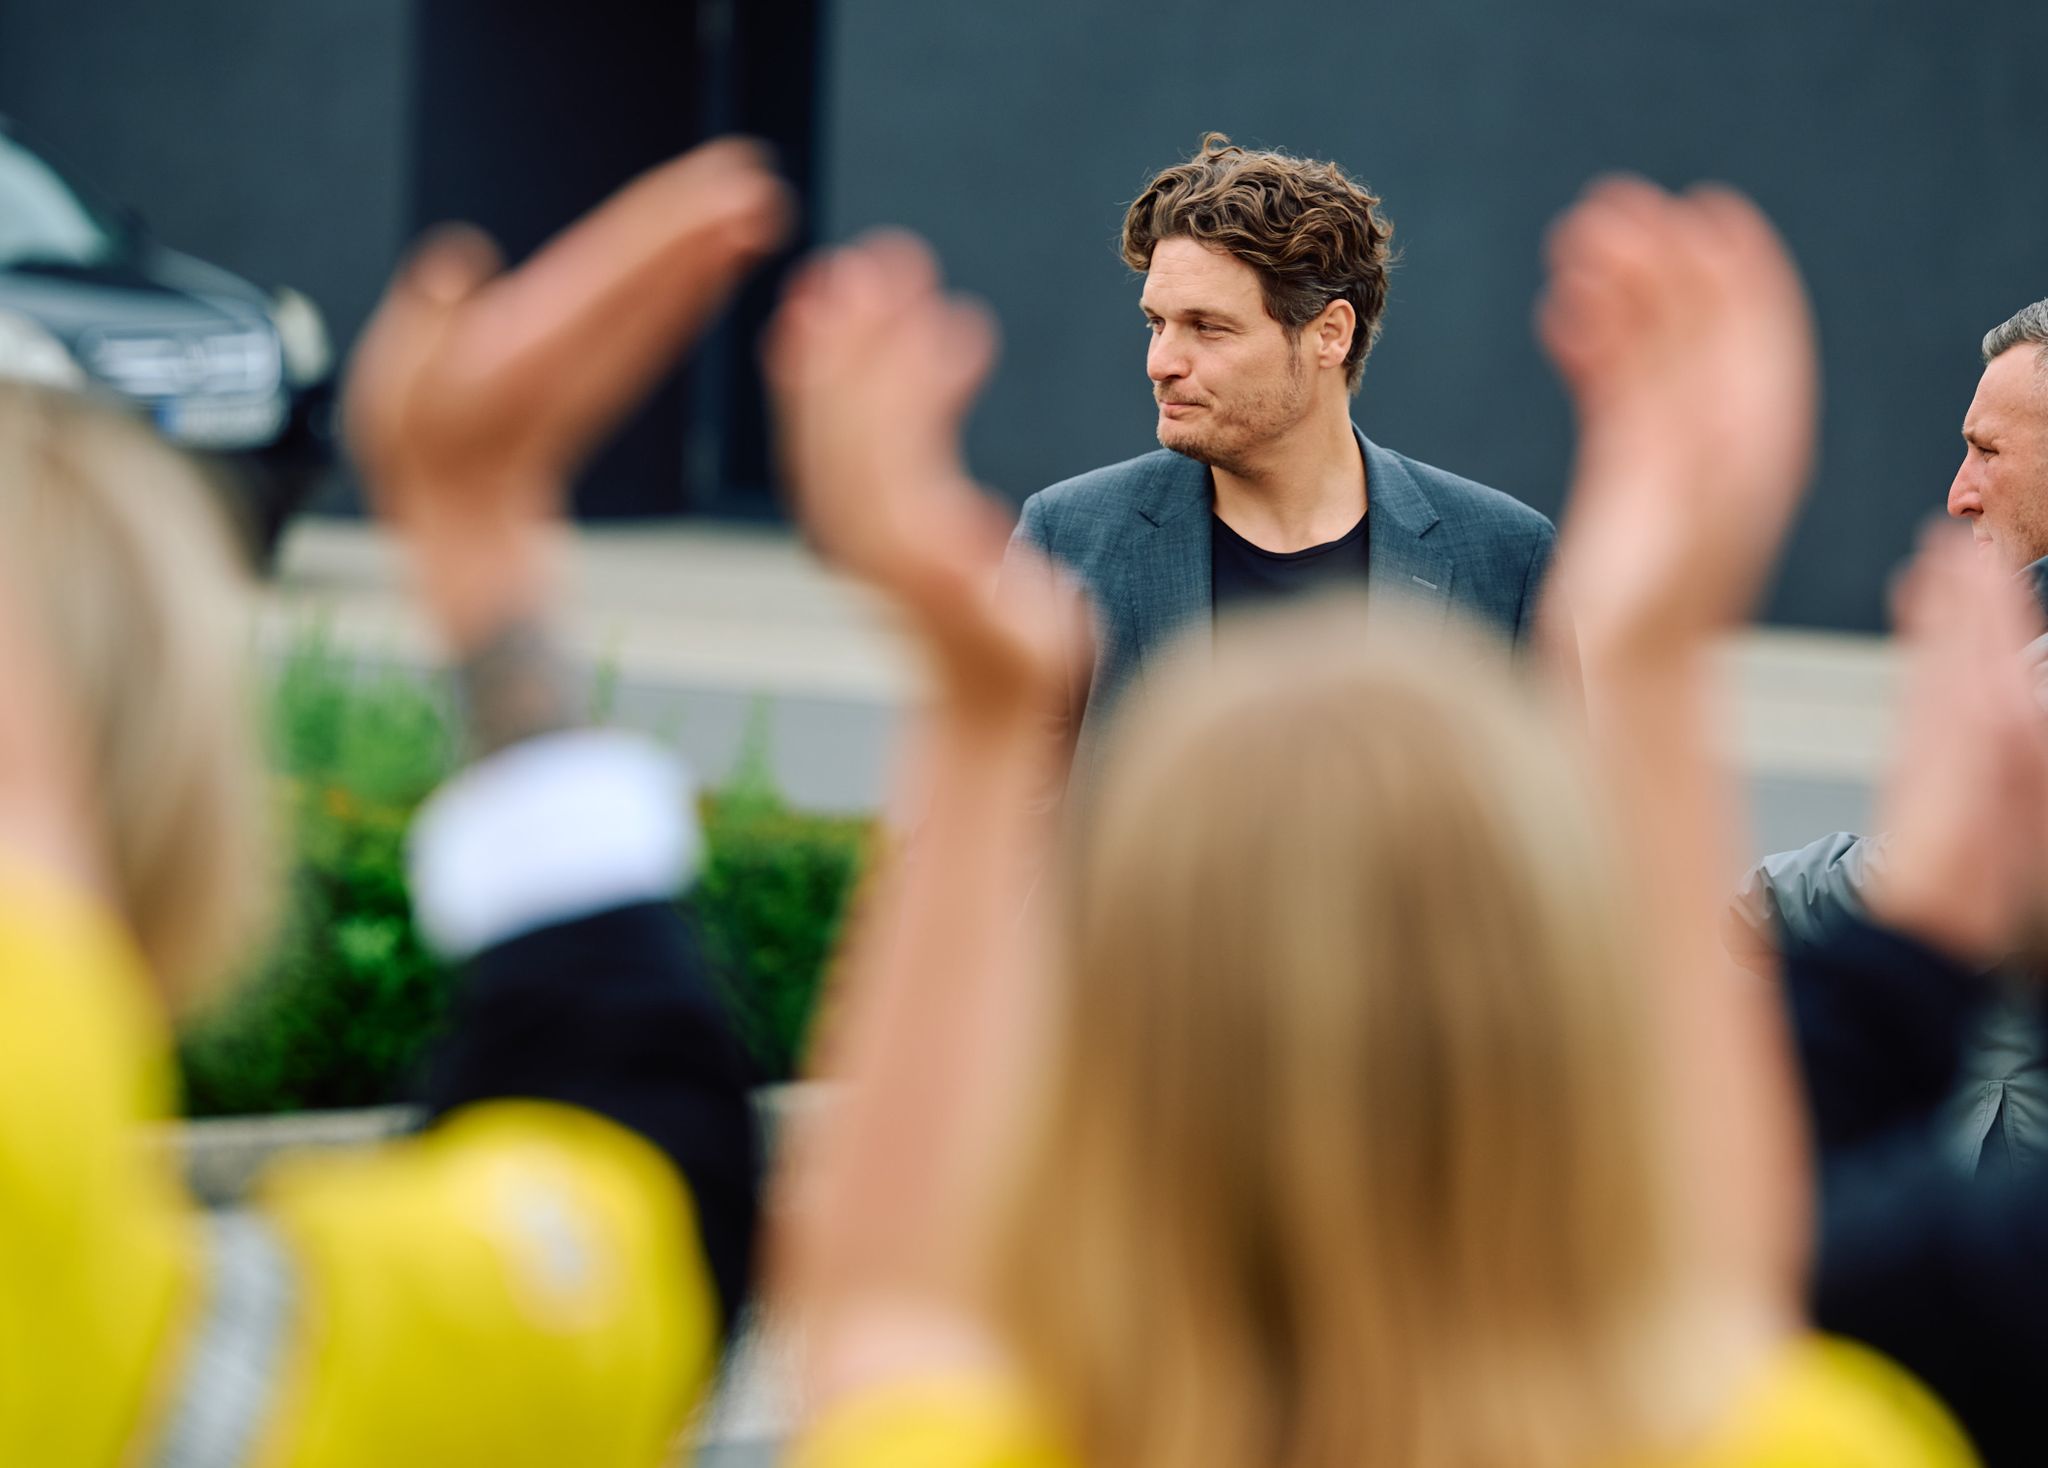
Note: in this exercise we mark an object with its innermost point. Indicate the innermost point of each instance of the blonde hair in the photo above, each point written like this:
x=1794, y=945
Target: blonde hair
x=1350, y=1154
x=117, y=548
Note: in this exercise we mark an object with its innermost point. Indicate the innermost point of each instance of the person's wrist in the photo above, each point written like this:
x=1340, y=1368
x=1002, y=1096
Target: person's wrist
x=488, y=587
x=513, y=685
x=477, y=577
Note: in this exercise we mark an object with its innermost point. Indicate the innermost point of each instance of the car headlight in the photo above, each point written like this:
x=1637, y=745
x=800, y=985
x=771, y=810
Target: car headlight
x=302, y=333
x=30, y=354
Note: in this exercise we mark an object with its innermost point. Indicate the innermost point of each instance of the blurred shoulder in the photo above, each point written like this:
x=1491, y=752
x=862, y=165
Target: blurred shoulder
x=960, y=1420
x=1824, y=1400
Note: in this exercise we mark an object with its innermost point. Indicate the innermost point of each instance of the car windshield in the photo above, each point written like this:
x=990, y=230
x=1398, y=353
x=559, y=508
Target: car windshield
x=43, y=220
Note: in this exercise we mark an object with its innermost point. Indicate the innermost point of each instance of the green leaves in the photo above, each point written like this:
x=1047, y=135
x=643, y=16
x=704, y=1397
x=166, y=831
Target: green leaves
x=344, y=1007
x=768, y=905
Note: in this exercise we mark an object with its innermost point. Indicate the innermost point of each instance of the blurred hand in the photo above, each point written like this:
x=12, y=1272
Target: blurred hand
x=1966, y=804
x=475, y=394
x=874, y=368
x=1682, y=332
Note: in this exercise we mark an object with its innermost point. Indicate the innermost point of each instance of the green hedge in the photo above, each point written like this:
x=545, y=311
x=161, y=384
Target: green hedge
x=342, y=1009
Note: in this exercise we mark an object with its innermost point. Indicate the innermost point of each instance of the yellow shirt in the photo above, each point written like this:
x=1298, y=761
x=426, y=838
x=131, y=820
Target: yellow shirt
x=522, y=1285
x=1825, y=1404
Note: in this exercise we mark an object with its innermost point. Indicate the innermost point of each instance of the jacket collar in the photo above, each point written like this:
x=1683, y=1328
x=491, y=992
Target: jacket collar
x=1174, y=485
x=1401, y=511
x=1391, y=491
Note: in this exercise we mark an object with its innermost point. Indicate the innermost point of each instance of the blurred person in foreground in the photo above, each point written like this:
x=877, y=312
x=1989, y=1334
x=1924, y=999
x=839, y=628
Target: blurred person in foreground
x=1265, y=285
x=1938, y=1269
x=542, y=1275
x=1379, y=1093
x=1998, y=1113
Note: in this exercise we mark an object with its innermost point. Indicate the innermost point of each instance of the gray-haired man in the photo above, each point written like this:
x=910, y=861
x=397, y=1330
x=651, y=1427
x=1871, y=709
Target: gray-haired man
x=2002, y=490
x=2002, y=487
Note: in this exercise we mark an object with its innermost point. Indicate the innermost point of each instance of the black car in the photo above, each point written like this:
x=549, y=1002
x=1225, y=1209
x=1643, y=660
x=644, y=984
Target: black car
x=89, y=300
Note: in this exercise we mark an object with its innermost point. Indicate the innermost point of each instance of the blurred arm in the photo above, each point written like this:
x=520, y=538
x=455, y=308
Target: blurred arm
x=1681, y=328
x=884, y=1213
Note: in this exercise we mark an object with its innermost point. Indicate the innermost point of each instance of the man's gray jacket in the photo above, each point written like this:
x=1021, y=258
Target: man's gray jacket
x=2001, y=1107
x=1136, y=534
x=1999, y=1114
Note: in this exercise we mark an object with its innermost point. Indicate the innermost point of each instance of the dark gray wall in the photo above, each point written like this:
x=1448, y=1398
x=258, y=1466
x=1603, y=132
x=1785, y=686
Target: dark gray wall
x=267, y=136
x=1898, y=143
x=1895, y=140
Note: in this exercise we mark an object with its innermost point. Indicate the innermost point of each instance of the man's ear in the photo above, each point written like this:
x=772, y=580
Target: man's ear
x=1332, y=331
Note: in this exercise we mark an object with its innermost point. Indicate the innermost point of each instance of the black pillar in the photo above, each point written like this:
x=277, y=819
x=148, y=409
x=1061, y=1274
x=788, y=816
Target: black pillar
x=762, y=76
x=528, y=112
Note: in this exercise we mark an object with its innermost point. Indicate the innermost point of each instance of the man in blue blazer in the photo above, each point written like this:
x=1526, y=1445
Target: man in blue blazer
x=1265, y=281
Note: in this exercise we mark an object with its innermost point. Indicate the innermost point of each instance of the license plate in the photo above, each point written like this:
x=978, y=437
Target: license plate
x=221, y=423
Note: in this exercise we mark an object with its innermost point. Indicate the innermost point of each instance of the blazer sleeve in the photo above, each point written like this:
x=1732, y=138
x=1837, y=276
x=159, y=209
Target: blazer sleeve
x=1534, y=579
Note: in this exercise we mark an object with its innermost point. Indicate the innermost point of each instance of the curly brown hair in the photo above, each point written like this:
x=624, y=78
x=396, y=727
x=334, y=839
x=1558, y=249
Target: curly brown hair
x=1312, y=233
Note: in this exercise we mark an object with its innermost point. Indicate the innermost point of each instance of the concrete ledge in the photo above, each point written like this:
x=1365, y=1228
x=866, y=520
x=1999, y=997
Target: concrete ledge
x=222, y=1157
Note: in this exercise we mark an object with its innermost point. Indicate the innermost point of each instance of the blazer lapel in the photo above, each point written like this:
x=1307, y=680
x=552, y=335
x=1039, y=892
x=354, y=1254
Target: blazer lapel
x=1167, y=592
x=1400, y=565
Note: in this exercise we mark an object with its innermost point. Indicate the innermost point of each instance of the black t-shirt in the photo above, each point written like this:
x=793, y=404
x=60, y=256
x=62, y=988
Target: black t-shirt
x=1240, y=572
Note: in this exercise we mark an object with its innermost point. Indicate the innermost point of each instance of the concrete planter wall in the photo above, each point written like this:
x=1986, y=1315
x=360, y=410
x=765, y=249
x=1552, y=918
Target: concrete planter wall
x=222, y=1156
x=752, y=1408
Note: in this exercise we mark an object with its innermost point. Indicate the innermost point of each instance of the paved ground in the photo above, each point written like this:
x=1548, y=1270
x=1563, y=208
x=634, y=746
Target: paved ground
x=708, y=632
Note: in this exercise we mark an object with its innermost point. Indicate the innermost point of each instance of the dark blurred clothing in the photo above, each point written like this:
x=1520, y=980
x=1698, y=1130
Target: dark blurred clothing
x=617, y=1014
x=1938, y=1271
